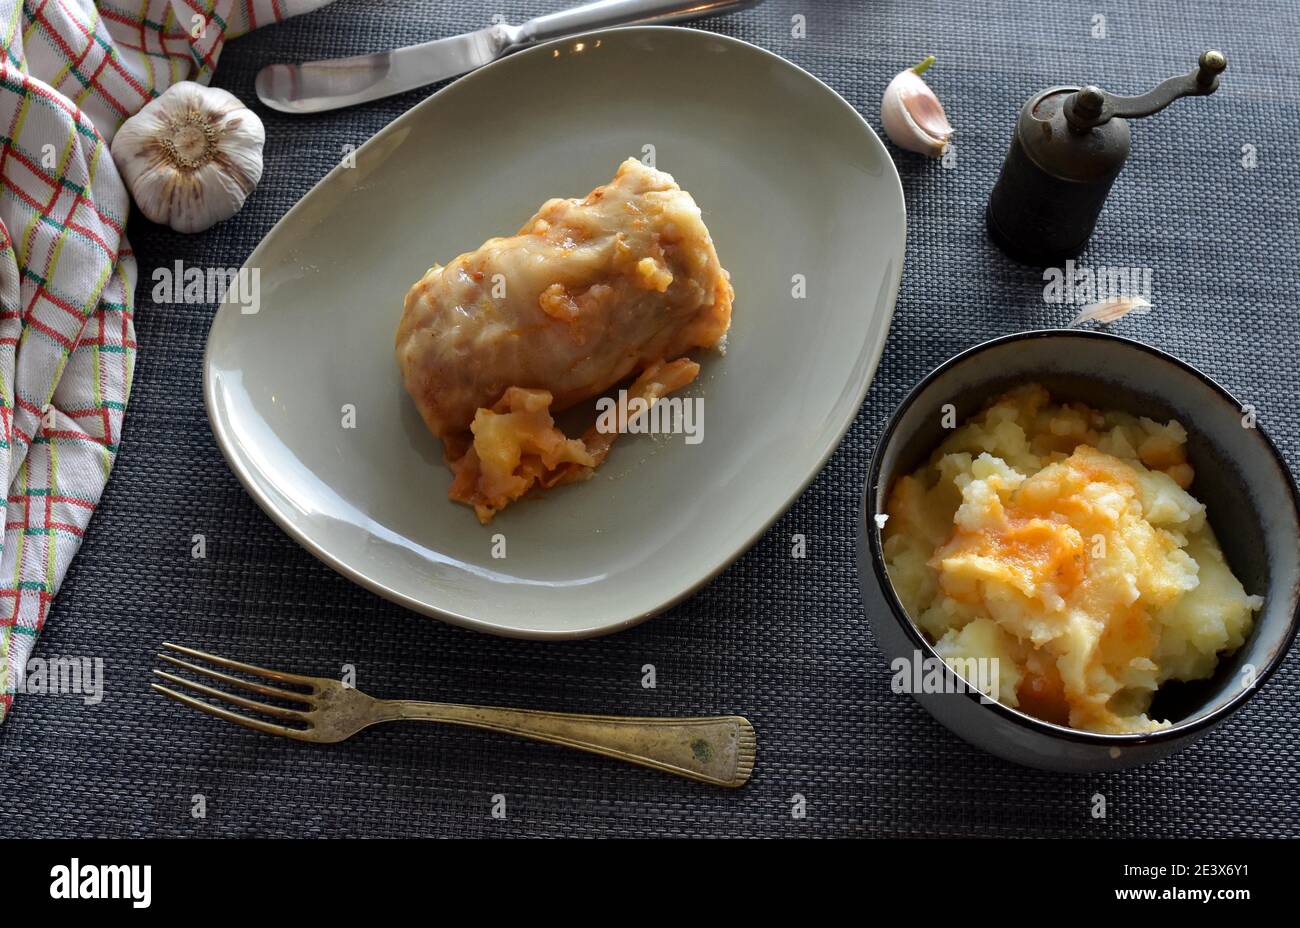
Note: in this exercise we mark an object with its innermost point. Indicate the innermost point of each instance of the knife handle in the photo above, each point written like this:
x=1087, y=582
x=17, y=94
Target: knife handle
x=604, y=13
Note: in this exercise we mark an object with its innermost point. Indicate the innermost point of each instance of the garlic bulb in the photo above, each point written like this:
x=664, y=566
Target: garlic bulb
x=912, y=115
x=191, y=157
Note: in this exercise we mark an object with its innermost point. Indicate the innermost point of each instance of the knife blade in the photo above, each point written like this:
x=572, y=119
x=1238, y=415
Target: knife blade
x=316, y=86
x=325, y=85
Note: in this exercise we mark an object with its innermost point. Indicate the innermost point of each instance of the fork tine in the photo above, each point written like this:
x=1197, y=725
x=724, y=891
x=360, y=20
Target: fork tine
x=256, y=671
x=255, y=724
x=291, y=695
x=277, y=711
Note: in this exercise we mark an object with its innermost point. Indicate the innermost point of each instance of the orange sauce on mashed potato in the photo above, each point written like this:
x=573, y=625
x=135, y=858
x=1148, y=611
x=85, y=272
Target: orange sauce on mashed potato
x=1062, y=542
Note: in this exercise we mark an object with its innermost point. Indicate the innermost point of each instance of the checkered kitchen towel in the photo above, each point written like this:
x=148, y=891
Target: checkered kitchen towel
x=71, y=72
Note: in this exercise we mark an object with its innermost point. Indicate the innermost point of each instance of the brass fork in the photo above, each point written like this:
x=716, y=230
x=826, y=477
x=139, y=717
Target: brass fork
x=718, y=750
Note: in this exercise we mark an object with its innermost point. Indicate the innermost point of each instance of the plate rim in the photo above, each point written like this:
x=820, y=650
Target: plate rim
x=237, y=463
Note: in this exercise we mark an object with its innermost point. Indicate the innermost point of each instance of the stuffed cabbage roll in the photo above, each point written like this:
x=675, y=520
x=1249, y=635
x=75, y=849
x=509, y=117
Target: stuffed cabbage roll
x=588, y=293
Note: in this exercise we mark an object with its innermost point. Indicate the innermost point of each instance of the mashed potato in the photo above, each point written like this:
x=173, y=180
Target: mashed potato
x=1062, y=541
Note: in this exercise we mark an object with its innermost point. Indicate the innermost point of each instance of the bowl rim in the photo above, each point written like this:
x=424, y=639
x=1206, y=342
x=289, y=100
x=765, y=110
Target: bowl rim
x=875, y=554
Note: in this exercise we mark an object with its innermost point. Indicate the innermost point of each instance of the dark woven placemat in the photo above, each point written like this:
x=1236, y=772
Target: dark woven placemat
x=781, y=640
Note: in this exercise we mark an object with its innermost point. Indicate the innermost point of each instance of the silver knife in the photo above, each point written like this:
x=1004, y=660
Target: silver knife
x=326, y=85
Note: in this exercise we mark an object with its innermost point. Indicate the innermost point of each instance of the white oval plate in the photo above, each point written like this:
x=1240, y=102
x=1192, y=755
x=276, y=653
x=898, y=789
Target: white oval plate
x=794, y=186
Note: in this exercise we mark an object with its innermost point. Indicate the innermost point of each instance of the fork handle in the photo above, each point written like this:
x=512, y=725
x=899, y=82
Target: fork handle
x=717, y=750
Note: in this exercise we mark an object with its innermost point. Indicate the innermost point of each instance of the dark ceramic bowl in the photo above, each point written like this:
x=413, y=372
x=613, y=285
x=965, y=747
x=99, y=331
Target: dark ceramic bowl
x=1249, y=495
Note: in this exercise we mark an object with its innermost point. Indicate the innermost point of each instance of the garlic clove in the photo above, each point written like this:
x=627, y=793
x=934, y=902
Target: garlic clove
x=191, y=157
x=912, y=115
x=1107, y=311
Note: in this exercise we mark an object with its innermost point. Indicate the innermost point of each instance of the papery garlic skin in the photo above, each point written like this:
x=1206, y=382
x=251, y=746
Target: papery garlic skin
x=1108, y=311
x=912, y=115
x=191, y=157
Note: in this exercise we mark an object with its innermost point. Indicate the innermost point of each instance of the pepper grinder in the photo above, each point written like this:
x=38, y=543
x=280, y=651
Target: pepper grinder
x=1069, y=145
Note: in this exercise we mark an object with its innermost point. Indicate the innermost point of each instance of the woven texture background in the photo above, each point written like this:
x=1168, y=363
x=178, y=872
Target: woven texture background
x=778, y=639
